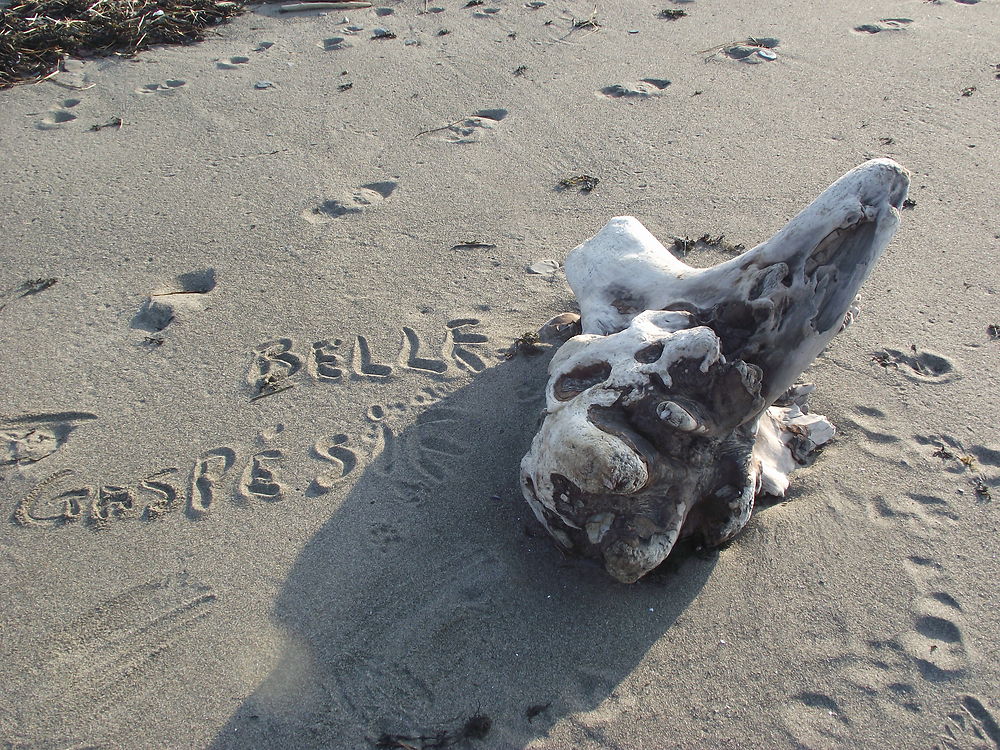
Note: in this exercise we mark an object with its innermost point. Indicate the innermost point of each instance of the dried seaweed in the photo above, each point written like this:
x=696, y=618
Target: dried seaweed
x=529, y=344
x=25, y=289
x=587, y=23
x=684, y=245
x=582, y=182
x=36, y=35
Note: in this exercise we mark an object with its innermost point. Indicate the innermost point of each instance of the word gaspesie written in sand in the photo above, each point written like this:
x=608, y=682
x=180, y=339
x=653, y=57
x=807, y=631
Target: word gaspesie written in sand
x=219, y=476
x=278, y=363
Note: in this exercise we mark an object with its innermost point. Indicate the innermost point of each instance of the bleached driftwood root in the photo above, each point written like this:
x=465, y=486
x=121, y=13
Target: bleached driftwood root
x=676, y=404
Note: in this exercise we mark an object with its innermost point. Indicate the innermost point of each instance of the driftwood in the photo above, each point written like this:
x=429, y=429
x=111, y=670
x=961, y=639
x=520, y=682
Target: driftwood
x=293, y=7
x=676, y=405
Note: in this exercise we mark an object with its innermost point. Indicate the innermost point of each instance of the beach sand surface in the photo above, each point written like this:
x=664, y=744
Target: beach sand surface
x=259, y=441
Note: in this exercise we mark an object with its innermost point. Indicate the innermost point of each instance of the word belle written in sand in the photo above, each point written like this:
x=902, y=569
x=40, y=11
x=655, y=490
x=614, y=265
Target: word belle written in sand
x=677, y=405
x=334, y=361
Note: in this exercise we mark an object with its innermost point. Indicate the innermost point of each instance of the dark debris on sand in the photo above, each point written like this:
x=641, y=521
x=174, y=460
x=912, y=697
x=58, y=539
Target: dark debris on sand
x=529, y=344
x=584, y=183
x=25, y=289
x=684, y=245
x=36, y=35
x=476, y=727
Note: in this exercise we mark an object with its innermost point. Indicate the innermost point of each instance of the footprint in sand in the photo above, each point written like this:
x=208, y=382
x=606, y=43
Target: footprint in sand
x=59, y=116
x=753, y=50
x=334, y=44
x=357, y=201
x=162, y=87
x=183, y=295
x=884, y=24
x=106, y=655
x=923, y=515
x=870, y=429
x=972, y=726
x=31, y=437
x=872, y=676
x=936, y=643
x=644, y=88
x=232, y=63
x=469, y=129
x=922, y=366
x=891, y=676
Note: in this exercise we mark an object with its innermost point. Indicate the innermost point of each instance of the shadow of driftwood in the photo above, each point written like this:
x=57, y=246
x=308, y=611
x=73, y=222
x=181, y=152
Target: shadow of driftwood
x=432, y=595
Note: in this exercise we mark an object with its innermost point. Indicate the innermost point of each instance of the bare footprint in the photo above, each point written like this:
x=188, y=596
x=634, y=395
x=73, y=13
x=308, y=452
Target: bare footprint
x=971, y=727
x=469, y=129
x=232, y=63
x=884, y=24
x=334, y=44
x=162, y=87
x=107, y=652
x=55, y=119
x=753, y=50
x=815, y=718
x=173, y=299
x=936, y=644
x=922, y=366
x=642, y=89
x=922, y=515
x=889, y=675
x=357, y=201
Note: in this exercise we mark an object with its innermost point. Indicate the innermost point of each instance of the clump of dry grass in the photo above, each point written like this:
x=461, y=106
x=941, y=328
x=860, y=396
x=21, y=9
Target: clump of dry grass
x=35, y=35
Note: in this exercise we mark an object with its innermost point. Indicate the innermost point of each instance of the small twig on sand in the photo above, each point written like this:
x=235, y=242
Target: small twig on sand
x=435, y=130
x=271, y=392
x=293, y=7
x=590, y=24
x=65, y=84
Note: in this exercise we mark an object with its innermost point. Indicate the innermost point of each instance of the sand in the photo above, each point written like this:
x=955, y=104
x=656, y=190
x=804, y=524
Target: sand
x=186, y=565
